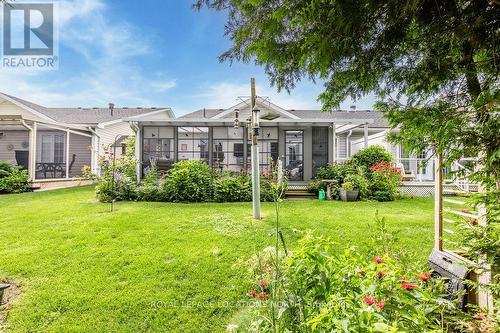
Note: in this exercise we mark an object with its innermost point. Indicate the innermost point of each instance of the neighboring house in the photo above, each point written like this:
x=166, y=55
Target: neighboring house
x=56, y=143
x=304, y=139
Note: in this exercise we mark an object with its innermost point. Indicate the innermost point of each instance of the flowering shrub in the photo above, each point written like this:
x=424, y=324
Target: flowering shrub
x=384, y=180
x=370, y=156
x=326, y=288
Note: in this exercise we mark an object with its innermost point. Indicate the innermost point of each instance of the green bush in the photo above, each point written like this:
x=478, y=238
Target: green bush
x=235, y=188
x=384, y=179
x=189, y=181
x=358, y=182
x=324, y=287
x=336, y=171
x=13, y=179
x=122, y=189
x=370, y=156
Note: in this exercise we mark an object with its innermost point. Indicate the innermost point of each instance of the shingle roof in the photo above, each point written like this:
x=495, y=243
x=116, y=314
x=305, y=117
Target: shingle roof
x=378, y=117
x=84, y=115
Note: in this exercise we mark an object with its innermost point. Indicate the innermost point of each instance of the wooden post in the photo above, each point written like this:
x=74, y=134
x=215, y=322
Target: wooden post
x=438, y=202
x=484, y=297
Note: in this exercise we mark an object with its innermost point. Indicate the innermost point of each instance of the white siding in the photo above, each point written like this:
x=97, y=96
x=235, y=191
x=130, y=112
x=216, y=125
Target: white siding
x=109, y=133
x=9, y=109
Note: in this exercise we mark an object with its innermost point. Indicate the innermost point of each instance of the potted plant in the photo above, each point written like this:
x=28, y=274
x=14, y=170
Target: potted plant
x=348, y=193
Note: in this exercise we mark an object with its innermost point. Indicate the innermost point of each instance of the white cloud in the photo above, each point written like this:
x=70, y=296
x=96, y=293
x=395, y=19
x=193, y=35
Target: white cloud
x=109, y=50
x=225, y=94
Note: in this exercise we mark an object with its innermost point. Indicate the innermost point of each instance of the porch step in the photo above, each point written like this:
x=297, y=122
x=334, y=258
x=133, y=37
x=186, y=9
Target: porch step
x=299, y=194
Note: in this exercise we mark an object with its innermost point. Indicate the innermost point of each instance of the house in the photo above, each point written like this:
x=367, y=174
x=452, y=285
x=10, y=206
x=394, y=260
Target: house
x=54, y=144
x=304, y=139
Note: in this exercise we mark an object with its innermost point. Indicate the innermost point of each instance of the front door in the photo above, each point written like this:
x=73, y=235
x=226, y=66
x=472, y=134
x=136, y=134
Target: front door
x=294, y=154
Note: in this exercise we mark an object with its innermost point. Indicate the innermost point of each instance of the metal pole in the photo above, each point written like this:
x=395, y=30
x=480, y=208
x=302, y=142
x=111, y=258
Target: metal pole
x=255, y=154
x=365, y=134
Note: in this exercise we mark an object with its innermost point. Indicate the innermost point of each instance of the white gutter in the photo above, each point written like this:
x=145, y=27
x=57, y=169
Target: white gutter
x=96, y=150
x=348, y=144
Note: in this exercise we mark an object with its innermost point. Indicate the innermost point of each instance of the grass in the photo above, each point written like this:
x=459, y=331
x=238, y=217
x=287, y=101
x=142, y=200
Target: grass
x=160, y=266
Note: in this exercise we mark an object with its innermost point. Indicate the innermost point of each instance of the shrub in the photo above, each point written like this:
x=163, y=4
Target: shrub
x=384, y=180
x=122, y=189
x=188, y=181
x=124, y=186
x=337, y=172
x=370, y=156
x=13, y=179
x=230, y=188
x=358, y=182
x=327, y=288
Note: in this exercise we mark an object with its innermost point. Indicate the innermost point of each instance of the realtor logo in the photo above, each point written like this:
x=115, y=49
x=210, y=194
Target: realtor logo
x=29, y=36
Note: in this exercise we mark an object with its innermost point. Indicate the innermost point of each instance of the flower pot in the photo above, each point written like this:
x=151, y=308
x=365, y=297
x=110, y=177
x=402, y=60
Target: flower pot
x=347, y=195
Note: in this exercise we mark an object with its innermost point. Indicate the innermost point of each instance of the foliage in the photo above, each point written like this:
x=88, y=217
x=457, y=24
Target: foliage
x=359, y=183
x=189, y=181
x=347, y=186
x=13, y=179
x=384, y=180
x=87, y=173
x=232, y=188
x=335, y=171
x=117, y=180
x=433, y=64
x=370, y=156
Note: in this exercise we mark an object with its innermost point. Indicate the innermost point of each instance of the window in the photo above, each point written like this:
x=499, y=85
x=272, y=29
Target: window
x=195, y=142
x=52, y=148
x=268, y=148
x=158, y=146
x=294, y=154
x=228, y=148
x=319, y=148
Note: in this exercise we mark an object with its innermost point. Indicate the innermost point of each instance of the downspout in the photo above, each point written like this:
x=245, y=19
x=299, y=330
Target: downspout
x=138, y=147
x=96, y=150
x=348, y=145
x=31, y=152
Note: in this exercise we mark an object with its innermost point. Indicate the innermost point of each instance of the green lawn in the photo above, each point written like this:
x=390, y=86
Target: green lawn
x=159, y=266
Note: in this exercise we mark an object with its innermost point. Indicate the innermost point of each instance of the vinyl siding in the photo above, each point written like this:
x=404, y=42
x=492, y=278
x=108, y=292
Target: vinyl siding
x=10, y=109
x=110, y=133
x=79, y=146
x=15, y=138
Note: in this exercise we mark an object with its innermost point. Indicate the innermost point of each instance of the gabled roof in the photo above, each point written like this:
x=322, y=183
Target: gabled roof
x=84, y=116
x=377, y=119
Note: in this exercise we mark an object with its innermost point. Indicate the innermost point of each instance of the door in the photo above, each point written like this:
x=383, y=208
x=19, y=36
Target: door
x=294, y=154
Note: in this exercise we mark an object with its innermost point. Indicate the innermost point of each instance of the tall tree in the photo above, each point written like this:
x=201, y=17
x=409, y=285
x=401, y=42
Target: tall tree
x=433, y=64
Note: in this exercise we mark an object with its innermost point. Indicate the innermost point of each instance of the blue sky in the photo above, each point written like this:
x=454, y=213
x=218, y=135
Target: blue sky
x=147, y=53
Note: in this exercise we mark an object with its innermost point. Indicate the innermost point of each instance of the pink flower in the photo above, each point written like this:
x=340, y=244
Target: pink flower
x=380, y=305
x=378, y=259
x=424, y=277
x=252, y=293
x=369, y=300
x=408, y=286
x=263, y=296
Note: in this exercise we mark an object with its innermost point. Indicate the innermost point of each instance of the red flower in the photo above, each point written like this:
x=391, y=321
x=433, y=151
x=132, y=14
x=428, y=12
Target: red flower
x=263, y=296
x=408, y=286
x=369, y=300
x=380, y=305
x=378, y=259
x=263, y=284
x=424, y=277
x=473, y=221
x=252, y=293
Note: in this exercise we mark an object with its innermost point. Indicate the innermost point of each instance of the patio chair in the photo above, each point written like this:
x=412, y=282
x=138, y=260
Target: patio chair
x=405, y=176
